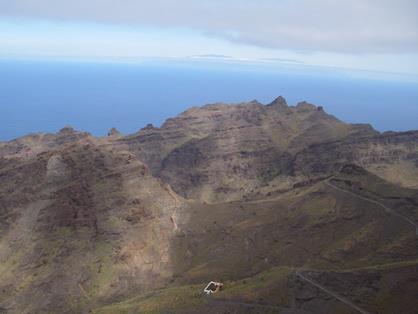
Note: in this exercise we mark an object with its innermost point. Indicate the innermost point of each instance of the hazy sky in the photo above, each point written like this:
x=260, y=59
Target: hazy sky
x=364, y=34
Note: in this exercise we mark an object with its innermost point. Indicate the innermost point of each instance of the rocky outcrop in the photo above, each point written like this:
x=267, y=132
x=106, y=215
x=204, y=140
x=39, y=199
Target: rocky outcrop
x=393, y=156
x=221, y=151
x=113, y=132
x=30, y=145
x=86, y=221
x=82, y=222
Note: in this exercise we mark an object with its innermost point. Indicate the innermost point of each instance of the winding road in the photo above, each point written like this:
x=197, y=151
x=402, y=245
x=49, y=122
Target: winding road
x=333, y=294
x=387, y=209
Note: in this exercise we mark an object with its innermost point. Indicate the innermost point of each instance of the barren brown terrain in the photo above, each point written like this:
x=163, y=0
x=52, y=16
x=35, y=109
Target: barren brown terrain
x=292, y=209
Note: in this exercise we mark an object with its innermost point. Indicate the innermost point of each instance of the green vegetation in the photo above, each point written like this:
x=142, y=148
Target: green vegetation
x=184, y=297
x=102, y=270
x=189, y=297
x=260, y=287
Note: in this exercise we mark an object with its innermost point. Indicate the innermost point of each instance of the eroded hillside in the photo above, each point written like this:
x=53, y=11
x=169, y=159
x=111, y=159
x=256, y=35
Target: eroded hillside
x=295, y=210
x=79, y=223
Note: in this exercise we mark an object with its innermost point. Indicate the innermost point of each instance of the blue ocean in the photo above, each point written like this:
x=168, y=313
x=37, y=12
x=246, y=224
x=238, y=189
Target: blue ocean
x=44, y=96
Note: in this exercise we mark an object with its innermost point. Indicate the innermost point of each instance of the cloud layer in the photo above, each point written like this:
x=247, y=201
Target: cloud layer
x=348, y=26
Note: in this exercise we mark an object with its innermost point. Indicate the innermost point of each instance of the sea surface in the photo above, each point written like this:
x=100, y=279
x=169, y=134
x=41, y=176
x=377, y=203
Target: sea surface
x=44, y=96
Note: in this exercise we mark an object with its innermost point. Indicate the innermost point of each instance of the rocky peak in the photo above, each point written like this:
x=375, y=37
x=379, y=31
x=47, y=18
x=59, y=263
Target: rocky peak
x=113, y=132
x=279, y=102
x=68, y=129
x=254, y=102
x=85, y=220
x=305, y=106
x=149, y=126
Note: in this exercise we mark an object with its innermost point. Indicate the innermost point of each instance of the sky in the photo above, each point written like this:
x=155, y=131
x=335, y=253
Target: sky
x=376, y=35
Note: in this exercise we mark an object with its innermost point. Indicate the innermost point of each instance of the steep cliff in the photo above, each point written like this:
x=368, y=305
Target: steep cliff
x=222, y=152
x=293, y=209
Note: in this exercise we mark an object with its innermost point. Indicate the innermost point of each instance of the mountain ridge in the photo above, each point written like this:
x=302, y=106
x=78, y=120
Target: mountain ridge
x=249, y=194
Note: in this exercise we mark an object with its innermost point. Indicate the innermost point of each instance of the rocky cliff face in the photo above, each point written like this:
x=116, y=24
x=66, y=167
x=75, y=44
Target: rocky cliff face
x=392, y=156
x=254, y=195
x=219, y=152
x=32, y=144
x=80, y=222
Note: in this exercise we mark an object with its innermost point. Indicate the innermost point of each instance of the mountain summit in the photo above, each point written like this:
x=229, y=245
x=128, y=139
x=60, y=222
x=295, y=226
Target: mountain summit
x=294, y=210
x=221, y=152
